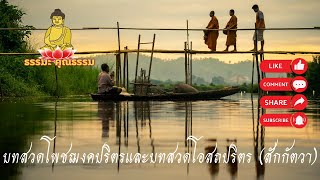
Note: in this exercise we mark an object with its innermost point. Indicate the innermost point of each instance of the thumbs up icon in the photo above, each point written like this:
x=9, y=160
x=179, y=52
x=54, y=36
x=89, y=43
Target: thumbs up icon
x=299, y=66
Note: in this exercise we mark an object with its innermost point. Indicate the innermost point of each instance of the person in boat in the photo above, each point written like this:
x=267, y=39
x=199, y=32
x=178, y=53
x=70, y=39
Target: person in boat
x=231, y=34
x=106, y=82
x=260, y=25
x=57, y=35
x=211, y=36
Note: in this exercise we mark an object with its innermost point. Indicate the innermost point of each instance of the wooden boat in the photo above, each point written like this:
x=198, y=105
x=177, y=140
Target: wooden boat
x=202, y=95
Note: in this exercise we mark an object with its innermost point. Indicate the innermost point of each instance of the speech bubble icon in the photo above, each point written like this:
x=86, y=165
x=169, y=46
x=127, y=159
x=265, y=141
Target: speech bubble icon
x=299, y=84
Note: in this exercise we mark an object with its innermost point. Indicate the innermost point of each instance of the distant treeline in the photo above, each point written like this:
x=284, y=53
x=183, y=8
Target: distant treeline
x=169, y=86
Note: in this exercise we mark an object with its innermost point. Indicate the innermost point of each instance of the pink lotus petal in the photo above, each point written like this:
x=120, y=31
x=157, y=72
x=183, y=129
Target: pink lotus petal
x=67, y=52
x=43, y=54
x=72, y=53
x=48, y=53
x=57, y=54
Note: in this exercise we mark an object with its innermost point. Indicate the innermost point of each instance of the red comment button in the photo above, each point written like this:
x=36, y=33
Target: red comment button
x=276, y=84
x=298, y=84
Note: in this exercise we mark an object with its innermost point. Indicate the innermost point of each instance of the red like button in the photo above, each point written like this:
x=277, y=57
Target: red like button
x=275, y=102
x=275, y=120
x=276, y=66
x=276, y=84
x=299, y=66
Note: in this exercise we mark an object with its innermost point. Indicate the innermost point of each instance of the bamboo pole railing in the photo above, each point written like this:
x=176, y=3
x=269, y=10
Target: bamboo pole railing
x=172, y=52
x=165, y=29
x=187, y=51
x=168, y=51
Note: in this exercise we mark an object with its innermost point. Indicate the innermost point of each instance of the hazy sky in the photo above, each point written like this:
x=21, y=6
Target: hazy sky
x=173, y=14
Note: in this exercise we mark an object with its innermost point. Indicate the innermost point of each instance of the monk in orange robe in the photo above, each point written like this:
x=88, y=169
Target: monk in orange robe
x=231, y=34
x=212, y=36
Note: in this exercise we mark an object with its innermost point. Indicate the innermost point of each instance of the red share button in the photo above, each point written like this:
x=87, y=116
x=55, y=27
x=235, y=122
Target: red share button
x=275, y=102
x=276, y=84
x=276, y=66
x=272, y=120
x=299, y=102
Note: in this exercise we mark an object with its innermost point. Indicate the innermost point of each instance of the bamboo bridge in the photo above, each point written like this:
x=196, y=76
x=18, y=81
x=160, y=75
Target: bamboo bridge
x=122, y=78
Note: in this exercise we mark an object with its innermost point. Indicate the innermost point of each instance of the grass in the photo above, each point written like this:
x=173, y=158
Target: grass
x=17, y=80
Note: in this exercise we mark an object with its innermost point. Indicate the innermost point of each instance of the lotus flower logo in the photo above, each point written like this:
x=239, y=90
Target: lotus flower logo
x=58, y=49
x=56, y=54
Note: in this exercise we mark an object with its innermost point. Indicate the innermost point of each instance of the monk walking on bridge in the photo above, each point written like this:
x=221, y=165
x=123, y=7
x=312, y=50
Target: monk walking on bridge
x=231, y=34
x=260, y=26
x=211, y=36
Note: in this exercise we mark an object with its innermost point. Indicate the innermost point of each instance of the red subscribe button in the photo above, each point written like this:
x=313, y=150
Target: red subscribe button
x=297, y=120
x=276, y=120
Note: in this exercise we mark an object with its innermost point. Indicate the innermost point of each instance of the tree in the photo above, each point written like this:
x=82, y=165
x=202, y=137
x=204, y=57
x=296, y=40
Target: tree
x=312, y=76
x=198, y=80
x=12, y=40
x=217, y=80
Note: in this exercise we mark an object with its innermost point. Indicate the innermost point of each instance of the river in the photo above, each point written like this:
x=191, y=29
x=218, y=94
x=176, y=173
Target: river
x=153, y=127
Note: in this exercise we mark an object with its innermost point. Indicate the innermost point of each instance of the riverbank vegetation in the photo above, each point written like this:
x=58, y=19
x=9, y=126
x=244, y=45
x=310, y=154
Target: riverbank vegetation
x=19, y=80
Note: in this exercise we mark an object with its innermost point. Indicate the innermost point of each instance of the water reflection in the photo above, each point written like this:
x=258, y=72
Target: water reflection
x=258, y=139
x=108, y=111
x=18, y=122
x=232, y=165
x=213, y=166
x=142, y=114
x=55, y=129
x=154, y=127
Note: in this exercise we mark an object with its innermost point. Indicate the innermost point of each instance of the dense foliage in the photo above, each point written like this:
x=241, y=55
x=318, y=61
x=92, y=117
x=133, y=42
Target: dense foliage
x=19, y=80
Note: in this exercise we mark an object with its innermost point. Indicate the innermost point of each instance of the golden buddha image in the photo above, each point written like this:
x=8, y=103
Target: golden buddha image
x=57, y=35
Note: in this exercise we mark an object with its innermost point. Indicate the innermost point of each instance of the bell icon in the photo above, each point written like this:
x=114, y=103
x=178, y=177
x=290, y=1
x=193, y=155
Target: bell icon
x=299, y=121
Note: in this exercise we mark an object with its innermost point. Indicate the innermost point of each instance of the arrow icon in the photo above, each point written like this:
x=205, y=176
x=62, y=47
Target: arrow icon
x=299, y=101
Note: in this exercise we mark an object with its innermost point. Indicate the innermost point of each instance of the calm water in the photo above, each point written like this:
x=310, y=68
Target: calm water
x=152, y=127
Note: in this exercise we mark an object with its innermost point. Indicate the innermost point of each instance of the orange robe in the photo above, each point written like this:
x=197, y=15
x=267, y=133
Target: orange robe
x=211, y=41
x=232, y=34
